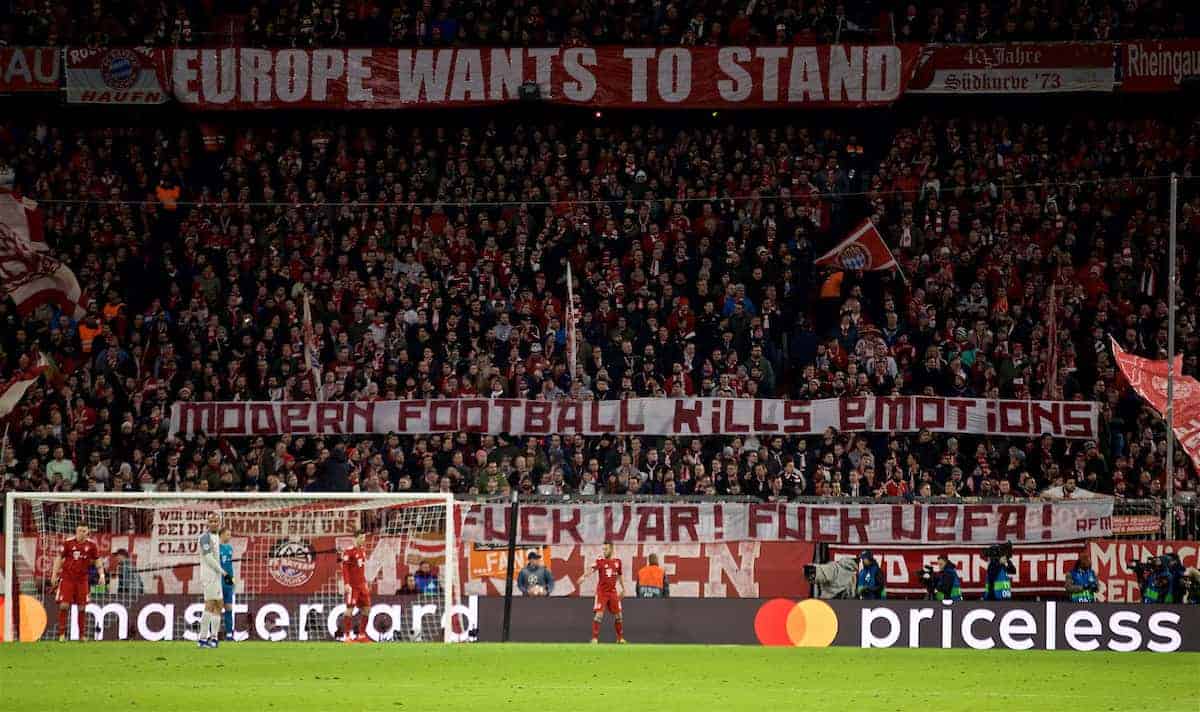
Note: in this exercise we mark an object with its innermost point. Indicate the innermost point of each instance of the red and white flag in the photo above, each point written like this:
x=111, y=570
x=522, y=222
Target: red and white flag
x=28, y=272
x=571, y=326
x=863, y=250
x=1149, y=379
x=12, y=390
x=311, y=361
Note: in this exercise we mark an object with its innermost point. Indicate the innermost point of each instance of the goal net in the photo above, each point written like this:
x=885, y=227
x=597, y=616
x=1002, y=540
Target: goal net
x=286, y=560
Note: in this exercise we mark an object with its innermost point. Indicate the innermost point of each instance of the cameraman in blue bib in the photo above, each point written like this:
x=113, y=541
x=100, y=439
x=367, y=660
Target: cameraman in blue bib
x=870, y=584
x=1000, y=571
x=1082, y=585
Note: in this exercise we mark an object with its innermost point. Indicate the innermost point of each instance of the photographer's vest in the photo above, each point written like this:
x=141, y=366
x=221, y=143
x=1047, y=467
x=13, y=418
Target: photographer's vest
x=1153, y=594
x=1002, y=586
x=651, y=582
x=955, y=590
x=1080, y=578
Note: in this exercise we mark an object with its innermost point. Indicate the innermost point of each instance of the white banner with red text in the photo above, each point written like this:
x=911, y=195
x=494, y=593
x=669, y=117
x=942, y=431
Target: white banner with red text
x=120, y=75
x=617, y=77
x=1041, y=68
x=1041, y=568
x=857, y=524
x=732, y=569
x=642, y=416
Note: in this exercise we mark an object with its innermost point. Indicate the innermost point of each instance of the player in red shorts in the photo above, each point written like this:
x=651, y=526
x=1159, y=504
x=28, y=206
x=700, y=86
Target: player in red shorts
x=610, y=589
x=74, y=562
x=358, y=596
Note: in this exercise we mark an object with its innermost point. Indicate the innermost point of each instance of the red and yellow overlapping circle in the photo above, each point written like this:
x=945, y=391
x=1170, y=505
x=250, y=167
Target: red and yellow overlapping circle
x=811, y=623
x=32, y=616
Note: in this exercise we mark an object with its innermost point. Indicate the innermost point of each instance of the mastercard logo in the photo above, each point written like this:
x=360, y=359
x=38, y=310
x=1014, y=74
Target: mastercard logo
x=33, y=618
x=811, y=623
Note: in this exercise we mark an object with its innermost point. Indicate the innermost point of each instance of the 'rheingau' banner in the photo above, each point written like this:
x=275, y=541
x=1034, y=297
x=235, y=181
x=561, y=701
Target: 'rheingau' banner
x=644, y=416
x=618, y=77
x=854, y=524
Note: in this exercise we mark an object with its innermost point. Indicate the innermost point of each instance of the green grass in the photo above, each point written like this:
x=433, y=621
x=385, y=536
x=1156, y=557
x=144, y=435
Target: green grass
x=330, y=676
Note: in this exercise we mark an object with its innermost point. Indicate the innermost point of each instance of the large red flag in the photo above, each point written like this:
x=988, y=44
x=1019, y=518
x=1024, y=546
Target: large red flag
x=864, y=249
x=28, y=273
x=1149, y=379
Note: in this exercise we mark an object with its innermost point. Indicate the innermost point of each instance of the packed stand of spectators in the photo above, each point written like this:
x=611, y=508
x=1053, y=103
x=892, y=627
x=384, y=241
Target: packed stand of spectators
x=436, y=260
x=302, y=23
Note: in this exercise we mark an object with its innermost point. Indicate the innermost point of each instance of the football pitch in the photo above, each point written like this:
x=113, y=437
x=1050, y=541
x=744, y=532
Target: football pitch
x=331, y=676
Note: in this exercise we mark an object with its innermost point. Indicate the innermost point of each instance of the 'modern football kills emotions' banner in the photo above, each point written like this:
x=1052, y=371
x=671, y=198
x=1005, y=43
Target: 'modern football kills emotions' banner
x=619, y=77
x=644, y=416
x=1016, y=69
x=743, y=569
x=1158, y=65
x=123, y=75
x=855, y=524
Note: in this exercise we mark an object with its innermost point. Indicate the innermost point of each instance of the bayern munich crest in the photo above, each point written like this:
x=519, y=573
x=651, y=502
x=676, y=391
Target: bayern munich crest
x=292, y=562
x=854, y=257
x=120, y=68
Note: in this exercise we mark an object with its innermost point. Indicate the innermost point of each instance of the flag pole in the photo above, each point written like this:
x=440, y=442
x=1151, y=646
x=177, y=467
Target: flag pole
x=570, y=315
x=1170, y=483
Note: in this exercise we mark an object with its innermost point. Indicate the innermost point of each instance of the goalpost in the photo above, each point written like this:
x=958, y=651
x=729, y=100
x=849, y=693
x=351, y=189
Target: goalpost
x=286, y=565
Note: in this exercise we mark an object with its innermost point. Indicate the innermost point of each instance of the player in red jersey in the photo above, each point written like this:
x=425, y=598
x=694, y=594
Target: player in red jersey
x=610, y=589
x=358, y=595
x=72, y=566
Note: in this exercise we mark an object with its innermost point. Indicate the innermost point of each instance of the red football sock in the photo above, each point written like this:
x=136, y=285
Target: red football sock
x=620, y=629
x=63, y=610
x=595, y=629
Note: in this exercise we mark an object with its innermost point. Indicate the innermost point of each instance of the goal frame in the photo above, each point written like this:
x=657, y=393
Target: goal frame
x=450, y=567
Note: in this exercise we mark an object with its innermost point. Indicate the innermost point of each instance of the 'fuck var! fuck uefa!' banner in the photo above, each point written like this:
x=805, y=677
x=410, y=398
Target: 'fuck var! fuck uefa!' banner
x=642, y=416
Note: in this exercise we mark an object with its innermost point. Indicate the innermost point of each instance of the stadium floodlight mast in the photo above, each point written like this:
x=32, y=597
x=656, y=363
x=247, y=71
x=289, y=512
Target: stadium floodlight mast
x=410, y=525
x=1171, y=286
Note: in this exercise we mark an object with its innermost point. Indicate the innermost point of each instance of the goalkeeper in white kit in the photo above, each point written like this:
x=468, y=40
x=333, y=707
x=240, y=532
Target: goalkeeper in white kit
x=211, y=577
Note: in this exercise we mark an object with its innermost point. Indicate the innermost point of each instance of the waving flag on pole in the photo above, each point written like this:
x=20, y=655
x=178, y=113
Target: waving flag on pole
x=28, y=272
x=864, y=249
x=14, y=388
x=311, y=361
x=571, y=325
x=1149, y=379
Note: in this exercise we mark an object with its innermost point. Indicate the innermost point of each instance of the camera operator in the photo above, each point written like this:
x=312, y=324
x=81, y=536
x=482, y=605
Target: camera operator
x=947, y=586
x=870, y=584
x=1081, y=581
x=1154, y=576
x=1000, y=571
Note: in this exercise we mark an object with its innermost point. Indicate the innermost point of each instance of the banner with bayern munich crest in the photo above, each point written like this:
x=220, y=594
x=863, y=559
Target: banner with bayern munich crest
x=118, y=75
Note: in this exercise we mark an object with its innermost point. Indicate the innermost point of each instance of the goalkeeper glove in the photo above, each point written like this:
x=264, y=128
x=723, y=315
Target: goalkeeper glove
x=228, y=580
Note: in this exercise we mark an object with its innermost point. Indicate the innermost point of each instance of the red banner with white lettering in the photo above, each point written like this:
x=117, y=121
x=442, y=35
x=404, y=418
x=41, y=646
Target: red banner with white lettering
x=1111, y=560
x=1158, y=65
x=1041, y=568
x=119, y=75
x=1014, y=68
x=29, y=69
x=618, y=77
x=856, y=524
x=742, y=569
x=644, y=416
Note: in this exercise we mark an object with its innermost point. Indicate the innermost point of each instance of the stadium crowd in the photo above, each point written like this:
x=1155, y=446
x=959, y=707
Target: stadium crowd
x=302, y=23
x=436, y=261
